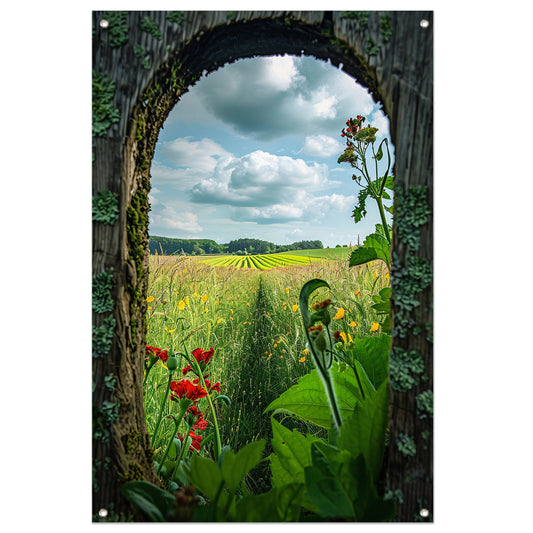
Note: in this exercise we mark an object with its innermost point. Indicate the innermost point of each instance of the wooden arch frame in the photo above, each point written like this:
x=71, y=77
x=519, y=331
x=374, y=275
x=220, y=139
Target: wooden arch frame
x=142, y=63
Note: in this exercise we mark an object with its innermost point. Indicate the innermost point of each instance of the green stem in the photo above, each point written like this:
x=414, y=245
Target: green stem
x=383, y=219
x=176, y=426
x=163, y=404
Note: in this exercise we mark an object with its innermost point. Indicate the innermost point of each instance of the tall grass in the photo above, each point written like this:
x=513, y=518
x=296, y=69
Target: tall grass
x=251, y=318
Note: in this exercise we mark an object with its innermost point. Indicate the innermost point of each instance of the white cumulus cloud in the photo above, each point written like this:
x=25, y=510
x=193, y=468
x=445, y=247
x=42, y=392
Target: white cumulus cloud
x=322, y=146
x=260, y=179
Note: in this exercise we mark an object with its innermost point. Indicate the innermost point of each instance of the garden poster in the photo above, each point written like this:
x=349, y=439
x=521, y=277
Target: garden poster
x=262, y=266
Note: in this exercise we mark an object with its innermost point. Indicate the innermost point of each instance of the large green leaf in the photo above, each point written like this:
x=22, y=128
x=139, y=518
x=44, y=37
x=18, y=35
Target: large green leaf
x=331, y=495
x=277, y=505
x=152, y=501
x=205, y=475
x=364, y=431
x=235, y=466
x=292, y=454
x=375, y=246
x=373, y=354
x=307, y=399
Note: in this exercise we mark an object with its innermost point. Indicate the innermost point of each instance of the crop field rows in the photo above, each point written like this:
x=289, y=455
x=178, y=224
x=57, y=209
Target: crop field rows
x=260, y=262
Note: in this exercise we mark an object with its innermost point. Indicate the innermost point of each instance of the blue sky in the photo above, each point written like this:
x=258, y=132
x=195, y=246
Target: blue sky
x=251, y=151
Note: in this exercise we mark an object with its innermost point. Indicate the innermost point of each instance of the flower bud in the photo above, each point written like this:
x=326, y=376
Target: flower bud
x=172, y=363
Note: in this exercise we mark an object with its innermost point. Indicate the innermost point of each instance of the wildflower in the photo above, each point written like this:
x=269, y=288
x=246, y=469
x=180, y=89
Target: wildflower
x=181, y=305
x=170, y=330
x=149, y=308
x=156, y=352
x=305, y=352
x=186, y=389
x=187, y=301
x=321, y=305
x=287, y=289
x=196, y=440
x=375, y=327
x=219, y=321
x=215, y=387
x=196, y=295
x=294, y=308
x=202, y=357
x=358, y=293
x=345, y=338
x=204, y=298
x=150, y=299
x=339, y=314
x=302, y=360
x=352, y=324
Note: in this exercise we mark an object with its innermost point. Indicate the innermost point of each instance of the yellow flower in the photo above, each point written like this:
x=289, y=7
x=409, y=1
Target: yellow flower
x=185, y=271
x=150, y=299
x=275, y=345
x=181, y=305
x=231, y=310
x=196, y=295
x=269, y=356
x=339, y=314
x=219, y=321
x=352, y=324
x=358, y=293
x=375, y=327
x=294, y=308
x=287, y=289
x=170, y=330
x=206, y=310
x=187, y=300
x=301, y=360
x=149, y=308
x=204, y=298
x=345, y=338
x=305, y=352
x=374, y=275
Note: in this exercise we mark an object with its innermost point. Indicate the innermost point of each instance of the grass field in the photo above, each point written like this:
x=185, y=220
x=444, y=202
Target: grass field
x=252, y=320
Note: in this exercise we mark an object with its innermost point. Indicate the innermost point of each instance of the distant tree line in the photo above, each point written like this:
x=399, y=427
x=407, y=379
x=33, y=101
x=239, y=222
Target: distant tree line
x=169, y=246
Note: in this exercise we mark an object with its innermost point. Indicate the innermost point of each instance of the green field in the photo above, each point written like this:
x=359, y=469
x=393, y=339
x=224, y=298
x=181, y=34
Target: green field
x=282, y=259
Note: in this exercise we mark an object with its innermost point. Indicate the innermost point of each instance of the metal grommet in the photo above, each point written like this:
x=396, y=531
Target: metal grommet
x=104, y=24
x=424, y=23
x=102, y=513
x=424, y=513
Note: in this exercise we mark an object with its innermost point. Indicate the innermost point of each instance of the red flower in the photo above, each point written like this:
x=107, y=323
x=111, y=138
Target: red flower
x=150, y=350
x=196, y=441
x=156, y=352
x=200, y=423
x=201, y=357
x=185, y=388
x=215, y=387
